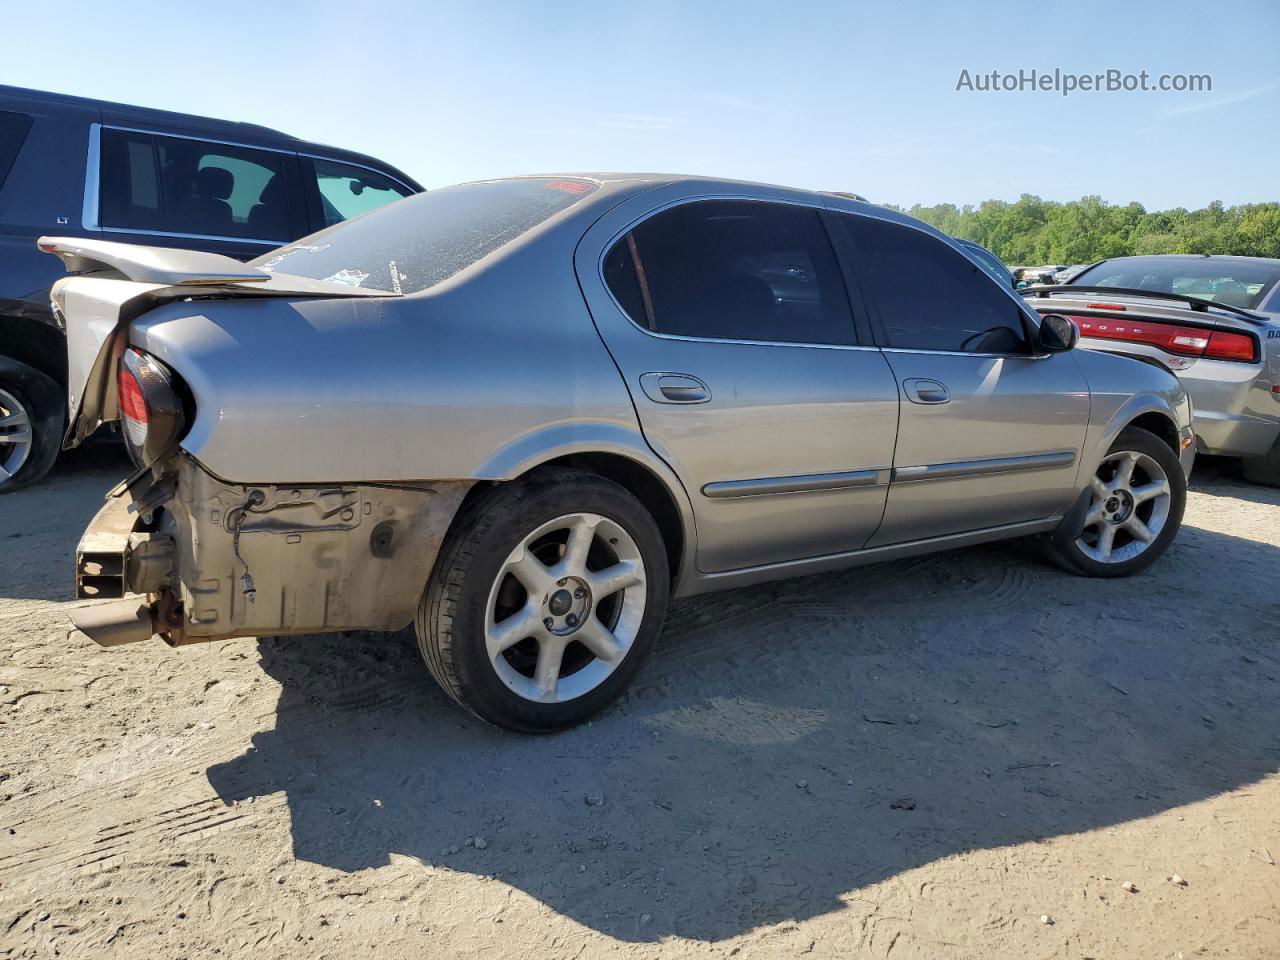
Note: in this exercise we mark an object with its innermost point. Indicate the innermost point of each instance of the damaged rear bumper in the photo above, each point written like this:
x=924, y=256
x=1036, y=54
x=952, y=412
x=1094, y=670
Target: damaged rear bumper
x=116, y=622
x=214, y=560
x=121, y=561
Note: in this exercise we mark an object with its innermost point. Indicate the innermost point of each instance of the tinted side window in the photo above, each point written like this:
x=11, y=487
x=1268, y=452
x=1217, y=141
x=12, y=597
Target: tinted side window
x=733, y=270
x=223, y=191
x=13, y=131
x=929, y=296
x=192, y=186
x=129, y=188
x=347, y=191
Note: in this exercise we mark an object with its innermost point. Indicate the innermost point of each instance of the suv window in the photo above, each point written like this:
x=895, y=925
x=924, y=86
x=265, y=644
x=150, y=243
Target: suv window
x=929, y=296
x=13, y=131
x=347, y=191
x=178, y=185
x=733, y=270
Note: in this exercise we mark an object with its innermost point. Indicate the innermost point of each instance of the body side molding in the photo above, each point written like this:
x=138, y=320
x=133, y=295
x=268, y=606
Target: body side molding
x=988, y=467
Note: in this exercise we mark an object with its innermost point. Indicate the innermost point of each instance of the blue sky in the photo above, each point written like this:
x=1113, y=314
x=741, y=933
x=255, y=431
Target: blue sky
x=842, y=96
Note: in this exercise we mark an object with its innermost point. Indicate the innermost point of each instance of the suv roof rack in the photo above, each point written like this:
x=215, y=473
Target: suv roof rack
x=1198, y=304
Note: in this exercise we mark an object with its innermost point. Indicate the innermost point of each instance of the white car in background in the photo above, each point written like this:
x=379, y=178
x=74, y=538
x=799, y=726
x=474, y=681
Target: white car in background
x=1213, y=320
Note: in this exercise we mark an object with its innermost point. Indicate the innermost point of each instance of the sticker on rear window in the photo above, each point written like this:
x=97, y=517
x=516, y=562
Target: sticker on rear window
x=350, y=278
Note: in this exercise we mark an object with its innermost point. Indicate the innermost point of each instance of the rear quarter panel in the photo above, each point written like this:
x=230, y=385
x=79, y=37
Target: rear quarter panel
x=481, y=377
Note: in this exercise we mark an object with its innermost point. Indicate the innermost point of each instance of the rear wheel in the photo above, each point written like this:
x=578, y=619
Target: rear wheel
x=547, y=596
x=1265, y=469
x=1136, y=500
x=31, y=420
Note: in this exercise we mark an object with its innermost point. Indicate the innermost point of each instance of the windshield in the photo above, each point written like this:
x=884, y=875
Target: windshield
x=1237, y=283
x=415, y=243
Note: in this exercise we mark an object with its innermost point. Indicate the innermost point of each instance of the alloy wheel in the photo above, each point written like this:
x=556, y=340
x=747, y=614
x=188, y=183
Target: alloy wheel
x=15, y=435
x=565, y=608
x=1129, y=507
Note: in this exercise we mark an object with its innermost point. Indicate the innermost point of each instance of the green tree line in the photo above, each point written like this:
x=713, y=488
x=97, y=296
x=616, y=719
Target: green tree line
x=1032, y=231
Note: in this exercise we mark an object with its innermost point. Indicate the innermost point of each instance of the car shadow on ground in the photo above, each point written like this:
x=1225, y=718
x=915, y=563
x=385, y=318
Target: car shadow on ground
x=791, y=743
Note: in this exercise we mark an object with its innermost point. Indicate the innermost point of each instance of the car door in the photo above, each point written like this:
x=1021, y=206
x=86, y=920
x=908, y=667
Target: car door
x=991, y=428
x=729, y=319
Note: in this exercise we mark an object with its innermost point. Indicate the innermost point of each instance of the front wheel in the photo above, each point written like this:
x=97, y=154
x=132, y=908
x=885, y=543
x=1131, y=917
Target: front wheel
x=1136, y=500
x=546, y=598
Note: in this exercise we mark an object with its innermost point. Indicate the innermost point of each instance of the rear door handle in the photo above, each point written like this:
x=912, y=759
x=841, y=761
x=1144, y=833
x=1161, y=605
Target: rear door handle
x=674, y=388
x=925, y=391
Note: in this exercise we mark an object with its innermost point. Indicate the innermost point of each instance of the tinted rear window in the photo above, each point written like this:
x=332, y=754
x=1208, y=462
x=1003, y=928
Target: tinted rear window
x=423, y=240
x=1235, y=283
x=13, y=131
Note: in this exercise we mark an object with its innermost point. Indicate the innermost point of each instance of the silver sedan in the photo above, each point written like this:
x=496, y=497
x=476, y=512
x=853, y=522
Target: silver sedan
x=524, y=414
x=1214, y=321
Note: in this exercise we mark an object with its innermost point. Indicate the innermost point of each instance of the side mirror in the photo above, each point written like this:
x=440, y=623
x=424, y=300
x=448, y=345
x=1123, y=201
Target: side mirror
x=1058, y=333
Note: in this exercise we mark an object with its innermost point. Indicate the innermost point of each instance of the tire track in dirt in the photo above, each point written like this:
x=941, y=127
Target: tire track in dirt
x=146, y=834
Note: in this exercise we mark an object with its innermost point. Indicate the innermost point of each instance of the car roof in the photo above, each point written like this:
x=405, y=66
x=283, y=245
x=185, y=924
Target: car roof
x=250, y=134
x=616, y=183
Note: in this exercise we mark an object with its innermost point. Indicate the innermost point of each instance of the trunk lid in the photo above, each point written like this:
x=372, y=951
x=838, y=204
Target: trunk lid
x=113, y=284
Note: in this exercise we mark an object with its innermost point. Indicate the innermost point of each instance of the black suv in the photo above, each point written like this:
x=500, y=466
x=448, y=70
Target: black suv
x=76, y=167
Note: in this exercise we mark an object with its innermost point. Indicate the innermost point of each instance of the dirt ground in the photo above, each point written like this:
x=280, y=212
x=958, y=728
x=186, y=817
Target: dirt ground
x=966, y=755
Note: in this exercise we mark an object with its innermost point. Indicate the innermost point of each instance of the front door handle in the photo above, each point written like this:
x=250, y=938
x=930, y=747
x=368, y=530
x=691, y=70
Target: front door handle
x=925, y=391
x=674, y=388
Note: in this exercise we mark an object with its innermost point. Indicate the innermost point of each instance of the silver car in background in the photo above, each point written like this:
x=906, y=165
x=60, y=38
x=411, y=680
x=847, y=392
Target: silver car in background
x=1214, y=321
x=524, y=414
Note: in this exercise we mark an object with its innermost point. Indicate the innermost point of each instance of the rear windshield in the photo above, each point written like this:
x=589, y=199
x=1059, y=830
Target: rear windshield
x=1235, y=283
x=423, y=240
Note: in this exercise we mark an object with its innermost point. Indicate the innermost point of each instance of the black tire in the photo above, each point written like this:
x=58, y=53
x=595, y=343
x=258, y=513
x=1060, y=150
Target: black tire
x=1264, y=470
x=1063, y=544
x=450, y=625
x=41, y=398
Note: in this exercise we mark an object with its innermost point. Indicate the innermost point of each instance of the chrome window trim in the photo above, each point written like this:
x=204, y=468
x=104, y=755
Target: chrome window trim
x=814, y=204
x=966, y=353
x=272, y=244
x=93, y=180
x=963, y=469
x=803, y=483
x=754, y=343
x=188, y=136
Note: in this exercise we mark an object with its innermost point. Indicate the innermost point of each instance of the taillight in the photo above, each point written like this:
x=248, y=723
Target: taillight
x=1172, y=338
x=150, y=407
x=1230, y=346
